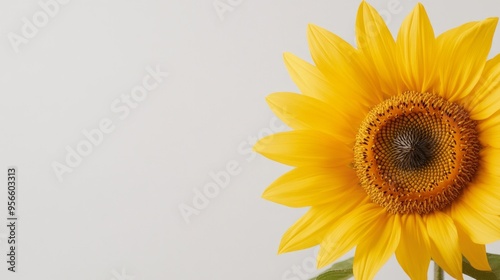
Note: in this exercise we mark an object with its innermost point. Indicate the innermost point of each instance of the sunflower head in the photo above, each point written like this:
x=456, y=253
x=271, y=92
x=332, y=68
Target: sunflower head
x=394, y=145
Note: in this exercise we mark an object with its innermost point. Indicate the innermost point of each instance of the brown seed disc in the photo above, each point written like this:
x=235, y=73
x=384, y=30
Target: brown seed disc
x=415, y=153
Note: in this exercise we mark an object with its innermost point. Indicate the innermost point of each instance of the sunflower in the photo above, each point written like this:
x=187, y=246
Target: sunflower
x=395, y=145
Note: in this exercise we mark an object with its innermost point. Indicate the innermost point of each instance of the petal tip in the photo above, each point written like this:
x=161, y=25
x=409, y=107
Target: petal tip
x=270, y=98
x=490, y=21
x=280, y=250
x=488, y=24
x=290, y=59
x=267, y=195
x=287, y=55
x=283, y=248
x=312, y=27
x=365, y=5
x=421, y=9
x=322, y=262
x=258, y=147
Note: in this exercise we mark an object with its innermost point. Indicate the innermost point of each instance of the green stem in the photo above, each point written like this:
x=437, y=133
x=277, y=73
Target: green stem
x=438, y=272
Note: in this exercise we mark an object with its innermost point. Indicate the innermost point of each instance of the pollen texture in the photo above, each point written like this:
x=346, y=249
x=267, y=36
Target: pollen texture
x=416, y=152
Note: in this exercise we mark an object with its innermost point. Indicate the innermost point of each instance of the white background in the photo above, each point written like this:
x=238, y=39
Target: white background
x=116, y=215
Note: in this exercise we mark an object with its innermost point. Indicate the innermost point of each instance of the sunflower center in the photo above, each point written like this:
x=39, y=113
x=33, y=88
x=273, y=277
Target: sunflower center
x=412, y=149
x=416, y=152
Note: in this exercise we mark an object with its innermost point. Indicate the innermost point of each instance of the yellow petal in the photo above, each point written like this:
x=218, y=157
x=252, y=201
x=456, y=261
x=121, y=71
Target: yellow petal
x=305, y=148
x=343, y=65
x=349, y=231
x=474, y=253
x=308, y=78
x=483, y=194
x=491, y=121
x=489, y=130
x=486, y=96
x=303, y=112
x=310, y=230
x=309, y=186
x=490, y=161
x=462, y=54
x=312, y=82
x=445, y=250
x=416, y=51
x=376, y=42
x=482, y=228
x=413, y=252
x=374, y=251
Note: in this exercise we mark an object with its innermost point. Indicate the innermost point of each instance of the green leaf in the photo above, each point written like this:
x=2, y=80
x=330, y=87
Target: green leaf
x=494, y=274
x=338, y=271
